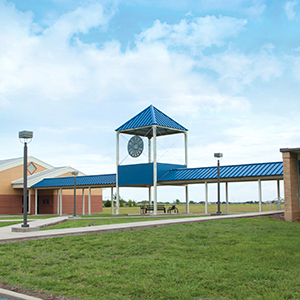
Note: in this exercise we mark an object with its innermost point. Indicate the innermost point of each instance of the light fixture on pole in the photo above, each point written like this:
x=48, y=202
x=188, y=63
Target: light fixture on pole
x=25, y=138
x=75, y=173
x=218, y=156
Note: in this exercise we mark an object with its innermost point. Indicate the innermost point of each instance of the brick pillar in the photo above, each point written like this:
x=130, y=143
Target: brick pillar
x=291, y=186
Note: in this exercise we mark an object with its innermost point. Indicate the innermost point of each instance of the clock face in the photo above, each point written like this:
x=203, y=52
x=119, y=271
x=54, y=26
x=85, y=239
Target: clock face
x=135, y=146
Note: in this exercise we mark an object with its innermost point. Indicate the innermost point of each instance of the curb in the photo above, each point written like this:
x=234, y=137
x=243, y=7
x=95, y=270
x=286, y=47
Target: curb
x=10, y=295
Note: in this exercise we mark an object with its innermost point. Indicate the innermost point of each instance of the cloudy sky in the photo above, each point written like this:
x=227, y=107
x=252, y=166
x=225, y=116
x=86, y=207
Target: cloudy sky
x=73, y=71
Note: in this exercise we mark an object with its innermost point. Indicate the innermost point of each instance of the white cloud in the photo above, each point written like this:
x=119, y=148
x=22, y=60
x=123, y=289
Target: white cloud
x=80, y=20
x=295, y=65
x=45, y=64
x=48, y=67
x=253, y=138
x=289, y=10
x=249, y=8
x=255, y=9
x=3, y=101
x=194, y=35
x=236, y=69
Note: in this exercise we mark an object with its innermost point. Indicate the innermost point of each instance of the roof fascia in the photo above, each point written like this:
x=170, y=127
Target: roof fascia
x=12, y=164
x=215, y=180
x=126, y=131
x=296, y=150
x=129, y=130
x=19, y=162
x=53, y=174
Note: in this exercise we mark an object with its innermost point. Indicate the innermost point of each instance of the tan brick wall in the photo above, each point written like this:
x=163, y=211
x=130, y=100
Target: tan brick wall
x=7, y=176
x=291, y=186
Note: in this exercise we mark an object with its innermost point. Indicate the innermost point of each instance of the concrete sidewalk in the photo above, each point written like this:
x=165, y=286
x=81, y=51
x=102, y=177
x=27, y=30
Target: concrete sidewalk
x=7, y=236
x=10, y=295
x=34, y=224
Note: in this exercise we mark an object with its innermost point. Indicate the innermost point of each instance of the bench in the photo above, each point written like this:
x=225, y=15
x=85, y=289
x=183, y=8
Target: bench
x=149, y=208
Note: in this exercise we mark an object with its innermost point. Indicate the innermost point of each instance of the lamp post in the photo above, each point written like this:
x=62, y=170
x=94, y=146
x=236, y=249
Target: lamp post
x=218, y=156
x=75, y=173
x=25, y=138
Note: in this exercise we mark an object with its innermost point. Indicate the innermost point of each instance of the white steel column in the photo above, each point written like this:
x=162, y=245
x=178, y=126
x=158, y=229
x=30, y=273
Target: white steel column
x=187, y=199
x=149, y=149
x=186, y=163
x=278, y=195
x=90, y=204
x=57, y=191
x=185, y=149
x=117, y=176
x=61, y=212
x=206, y=197
x=155, y=169
x=29, y=201
x=149, y=161
x=226, y=191
x=149, y=195
x=259, y=195
x=83, y=203
x=36, y=201
x=112, y=199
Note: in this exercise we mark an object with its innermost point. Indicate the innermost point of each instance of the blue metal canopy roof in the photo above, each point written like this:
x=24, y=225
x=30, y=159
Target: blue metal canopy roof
x=246, y=171
x=142, y=123
x=91, y=180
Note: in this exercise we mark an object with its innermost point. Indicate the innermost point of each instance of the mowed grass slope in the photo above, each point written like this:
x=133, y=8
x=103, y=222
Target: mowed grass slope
x=255, y=258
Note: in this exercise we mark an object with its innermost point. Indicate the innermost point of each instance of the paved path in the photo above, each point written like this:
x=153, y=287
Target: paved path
x=10, y=295
x=7, y=236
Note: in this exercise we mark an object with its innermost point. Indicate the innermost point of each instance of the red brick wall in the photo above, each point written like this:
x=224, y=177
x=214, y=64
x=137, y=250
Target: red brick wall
x=10, y=204
x=46, y=204
x=68, y=204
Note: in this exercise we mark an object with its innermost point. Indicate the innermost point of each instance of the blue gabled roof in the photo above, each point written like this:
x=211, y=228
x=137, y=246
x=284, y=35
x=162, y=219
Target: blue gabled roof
x=91, y=180
x=151, y=116
x=234, y=171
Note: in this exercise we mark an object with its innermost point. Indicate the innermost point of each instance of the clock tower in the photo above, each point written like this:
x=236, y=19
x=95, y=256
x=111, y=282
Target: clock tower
x=150, y=123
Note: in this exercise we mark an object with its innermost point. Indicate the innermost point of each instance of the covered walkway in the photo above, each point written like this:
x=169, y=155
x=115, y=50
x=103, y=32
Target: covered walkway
x=178, y=177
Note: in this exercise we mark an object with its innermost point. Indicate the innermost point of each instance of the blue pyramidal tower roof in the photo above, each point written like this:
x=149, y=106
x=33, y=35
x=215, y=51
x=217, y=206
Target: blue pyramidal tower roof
x=142, y=123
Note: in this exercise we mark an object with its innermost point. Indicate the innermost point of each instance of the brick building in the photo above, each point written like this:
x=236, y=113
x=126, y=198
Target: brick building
x=291, y=171
x=47, y=200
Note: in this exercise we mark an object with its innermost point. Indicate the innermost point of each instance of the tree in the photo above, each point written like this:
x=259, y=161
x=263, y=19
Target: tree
x=177, y=201
x=131, y=203
x=107, y=203
x=121, y=200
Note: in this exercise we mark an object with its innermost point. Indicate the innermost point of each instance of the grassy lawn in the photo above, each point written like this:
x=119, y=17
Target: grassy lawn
x=255, y=258
x=29, y=217
x=85, y=223
x=3, y=224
